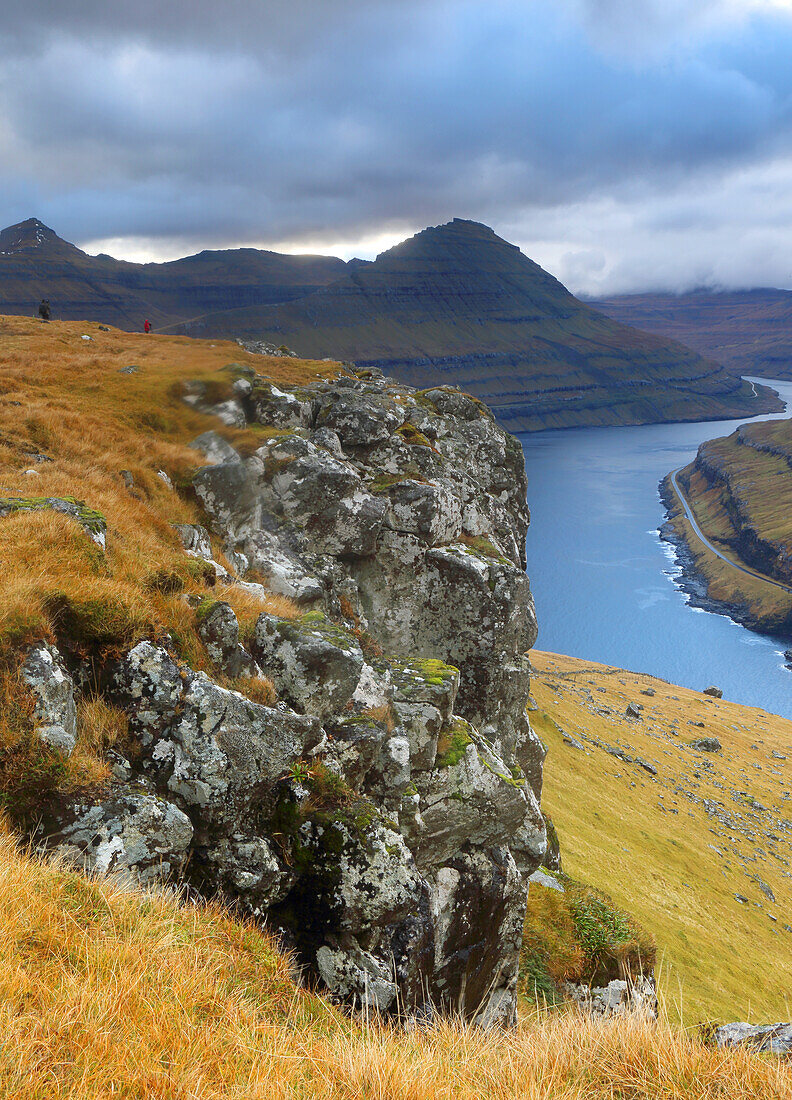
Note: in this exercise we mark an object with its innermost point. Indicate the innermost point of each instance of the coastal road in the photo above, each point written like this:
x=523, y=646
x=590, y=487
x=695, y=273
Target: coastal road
x=713, y=550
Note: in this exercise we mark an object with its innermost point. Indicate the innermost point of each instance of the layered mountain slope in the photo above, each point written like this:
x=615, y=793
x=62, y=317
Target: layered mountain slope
x=739, y=488
x=458, y=304
x=749, y=330
x=35, y=263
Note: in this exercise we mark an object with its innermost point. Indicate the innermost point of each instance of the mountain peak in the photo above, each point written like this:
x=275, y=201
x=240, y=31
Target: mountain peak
x=32, y=234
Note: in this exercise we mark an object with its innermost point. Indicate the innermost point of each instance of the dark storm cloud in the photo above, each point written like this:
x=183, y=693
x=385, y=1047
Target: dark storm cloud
x=317, y=121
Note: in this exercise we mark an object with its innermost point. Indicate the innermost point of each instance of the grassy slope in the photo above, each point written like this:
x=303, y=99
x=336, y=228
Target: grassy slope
x=66, y=398
x=650, y=843
x=740, y=489
x=105, y=992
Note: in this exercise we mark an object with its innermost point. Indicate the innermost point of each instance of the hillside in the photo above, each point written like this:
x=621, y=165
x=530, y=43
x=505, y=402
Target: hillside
x=677, y=847
x=458, y=304
x=747, y=330
x=172, y=714
x=739, y=488
x=109, y=992
x=35, y=263
x=455, y=304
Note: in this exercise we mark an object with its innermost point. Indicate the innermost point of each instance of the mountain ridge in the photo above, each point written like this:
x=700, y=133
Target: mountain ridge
x=457, y=304
x=454, y=304
x=35, y=262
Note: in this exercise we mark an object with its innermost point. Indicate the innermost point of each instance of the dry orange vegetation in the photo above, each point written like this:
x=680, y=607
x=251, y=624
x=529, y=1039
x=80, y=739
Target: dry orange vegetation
x=68, y=399
x=106, y=992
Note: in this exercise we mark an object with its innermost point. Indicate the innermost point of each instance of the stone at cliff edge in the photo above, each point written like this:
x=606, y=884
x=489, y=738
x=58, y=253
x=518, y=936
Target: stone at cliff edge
x=384, y=814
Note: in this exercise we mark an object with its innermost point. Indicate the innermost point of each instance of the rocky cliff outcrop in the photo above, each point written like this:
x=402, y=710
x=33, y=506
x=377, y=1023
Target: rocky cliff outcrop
x=383, y=813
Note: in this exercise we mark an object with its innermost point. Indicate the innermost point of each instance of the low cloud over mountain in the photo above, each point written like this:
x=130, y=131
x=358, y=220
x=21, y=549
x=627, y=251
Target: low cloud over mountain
x=614, y=141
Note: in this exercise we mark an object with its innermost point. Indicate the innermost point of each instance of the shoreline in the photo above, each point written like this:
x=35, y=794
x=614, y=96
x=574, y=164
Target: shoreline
x=694, y=583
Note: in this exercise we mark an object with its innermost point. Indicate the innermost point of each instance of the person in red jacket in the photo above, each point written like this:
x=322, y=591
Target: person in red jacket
x=147, y=325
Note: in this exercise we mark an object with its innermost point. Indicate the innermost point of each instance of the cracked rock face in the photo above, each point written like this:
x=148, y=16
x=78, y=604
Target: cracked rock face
x=384, y=814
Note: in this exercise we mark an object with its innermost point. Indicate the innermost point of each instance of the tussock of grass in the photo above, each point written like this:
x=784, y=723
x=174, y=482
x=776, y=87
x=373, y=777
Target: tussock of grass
x=107, y=992
x=579, y=935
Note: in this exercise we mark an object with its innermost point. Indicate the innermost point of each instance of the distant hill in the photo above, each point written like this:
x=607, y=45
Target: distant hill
x=739, y=488
x=454, y=304
x=457, y=304
x=35, y=263
x=749, y=330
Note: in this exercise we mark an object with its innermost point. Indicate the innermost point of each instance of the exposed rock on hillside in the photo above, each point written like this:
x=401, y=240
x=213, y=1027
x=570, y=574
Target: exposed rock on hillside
x=770, y=1038
x=378, y=813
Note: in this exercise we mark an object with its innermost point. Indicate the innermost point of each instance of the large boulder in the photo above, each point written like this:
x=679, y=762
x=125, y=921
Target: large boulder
x=136, y=836
x=314, y=663
x=384, y=815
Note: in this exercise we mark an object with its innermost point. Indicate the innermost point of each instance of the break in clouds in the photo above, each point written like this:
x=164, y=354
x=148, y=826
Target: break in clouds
x=624, y=144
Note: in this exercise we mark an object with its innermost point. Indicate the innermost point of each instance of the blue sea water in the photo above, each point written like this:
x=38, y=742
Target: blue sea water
x=606, y=586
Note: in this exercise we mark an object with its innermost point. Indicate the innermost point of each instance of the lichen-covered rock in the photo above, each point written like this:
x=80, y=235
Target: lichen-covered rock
x=195, y=540
x=248, y=867
x=315, y=664
x=215, y=449
x=285, y=572
x=358, y=419
x=384, y=815
x=230, y=411
x=276, y=407
x=768, y=1038
x=230, y=495
x=219, y=629
x=55, y=713
x=136, y=836
x=323, y=497
x=617, y=998
x=352, y=974
x=213, y=748
x=224, y=750
x=471, y=797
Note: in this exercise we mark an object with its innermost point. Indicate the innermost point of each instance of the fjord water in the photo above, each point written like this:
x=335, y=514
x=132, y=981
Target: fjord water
x=604, y=582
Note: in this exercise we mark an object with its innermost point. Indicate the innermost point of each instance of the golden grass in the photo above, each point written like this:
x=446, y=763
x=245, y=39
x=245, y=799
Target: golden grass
x=107, y=992
x=67, y=398
x=658, y=853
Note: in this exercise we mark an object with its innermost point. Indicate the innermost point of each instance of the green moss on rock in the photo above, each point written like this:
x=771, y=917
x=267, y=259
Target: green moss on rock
x=452, y=743
x=93, y=522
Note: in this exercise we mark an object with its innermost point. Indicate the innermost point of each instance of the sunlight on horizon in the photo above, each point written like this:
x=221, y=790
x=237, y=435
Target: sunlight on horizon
x=145, y=250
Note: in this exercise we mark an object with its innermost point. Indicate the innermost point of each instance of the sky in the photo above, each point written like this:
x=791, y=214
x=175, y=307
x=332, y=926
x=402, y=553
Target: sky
x=625, y=145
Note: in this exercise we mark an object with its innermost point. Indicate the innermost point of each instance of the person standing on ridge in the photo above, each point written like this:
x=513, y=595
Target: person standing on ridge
x=147, y=325
x=44, y=309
